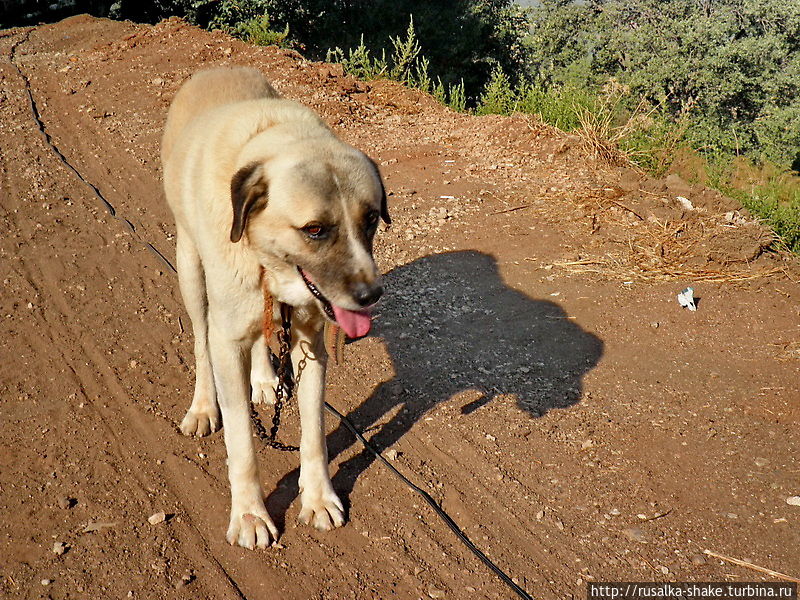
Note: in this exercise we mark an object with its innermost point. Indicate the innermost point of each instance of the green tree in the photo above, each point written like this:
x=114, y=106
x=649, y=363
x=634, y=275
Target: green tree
x=730, y=66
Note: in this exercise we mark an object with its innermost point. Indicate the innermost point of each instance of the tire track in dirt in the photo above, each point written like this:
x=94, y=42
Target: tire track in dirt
x=109, y=207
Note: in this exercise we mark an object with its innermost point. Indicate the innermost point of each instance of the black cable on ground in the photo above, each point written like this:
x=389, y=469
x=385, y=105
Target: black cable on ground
x=433, y=504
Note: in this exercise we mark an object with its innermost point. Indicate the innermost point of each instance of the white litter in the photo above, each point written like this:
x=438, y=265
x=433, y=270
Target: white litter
x=686, y=203
x=686, y=299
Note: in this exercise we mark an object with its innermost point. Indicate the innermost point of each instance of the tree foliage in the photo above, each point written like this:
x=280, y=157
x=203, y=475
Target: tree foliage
x=732, y=67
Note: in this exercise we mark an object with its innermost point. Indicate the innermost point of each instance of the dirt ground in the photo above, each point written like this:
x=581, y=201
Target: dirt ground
x=531, y=367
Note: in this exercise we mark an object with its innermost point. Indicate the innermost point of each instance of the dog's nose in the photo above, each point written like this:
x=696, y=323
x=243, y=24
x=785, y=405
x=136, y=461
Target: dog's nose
x=366, y=294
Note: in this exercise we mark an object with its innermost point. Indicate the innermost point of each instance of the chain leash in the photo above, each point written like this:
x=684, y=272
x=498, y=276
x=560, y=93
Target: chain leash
x=285, y=388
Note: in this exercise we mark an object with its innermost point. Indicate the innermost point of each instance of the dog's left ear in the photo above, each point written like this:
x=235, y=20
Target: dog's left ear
x=249, y=190
x=384, y=204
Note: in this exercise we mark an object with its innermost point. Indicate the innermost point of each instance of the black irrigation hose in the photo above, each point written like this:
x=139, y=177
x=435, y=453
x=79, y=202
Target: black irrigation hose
x=48, y=140
x=433, y=504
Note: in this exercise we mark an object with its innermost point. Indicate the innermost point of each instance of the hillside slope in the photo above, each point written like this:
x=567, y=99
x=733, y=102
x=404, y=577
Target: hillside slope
x=531, y=366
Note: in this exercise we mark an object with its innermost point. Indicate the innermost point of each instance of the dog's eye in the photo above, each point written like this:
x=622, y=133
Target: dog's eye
x=372, y=219
x=315, y=231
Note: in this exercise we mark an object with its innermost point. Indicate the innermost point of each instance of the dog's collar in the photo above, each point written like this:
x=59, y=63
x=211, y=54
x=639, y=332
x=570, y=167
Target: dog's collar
x=326, y=305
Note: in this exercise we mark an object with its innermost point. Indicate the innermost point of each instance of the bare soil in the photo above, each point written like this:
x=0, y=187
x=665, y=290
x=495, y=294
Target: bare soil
x=531, y=367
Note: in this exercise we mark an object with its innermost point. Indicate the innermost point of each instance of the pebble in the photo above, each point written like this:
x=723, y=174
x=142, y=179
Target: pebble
x=655, y=324
x=615, y=511
x=434, y=593
x=699, y=560
x=635, y=534
x=392, y=454
x=66, y=502
x=46, y=581
x=761, y=462
x=59, y=548
x=185, y=580
x=793, y=500
x=157, y=518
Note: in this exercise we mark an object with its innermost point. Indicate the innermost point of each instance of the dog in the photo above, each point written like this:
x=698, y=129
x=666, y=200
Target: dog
x=263, y=193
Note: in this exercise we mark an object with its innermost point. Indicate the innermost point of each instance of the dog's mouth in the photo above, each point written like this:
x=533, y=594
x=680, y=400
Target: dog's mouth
x=355, y=323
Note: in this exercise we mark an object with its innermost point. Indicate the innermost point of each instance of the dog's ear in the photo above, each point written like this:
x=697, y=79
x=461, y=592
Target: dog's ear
x=249, y=191
x=384, y=204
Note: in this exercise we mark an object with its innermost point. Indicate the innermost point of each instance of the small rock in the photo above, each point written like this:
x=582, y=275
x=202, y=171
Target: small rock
x=470, y=589
x=664, y=570
x=732, y=515
x=59, y=548
x=635, y=534
x=157, y=518
x=434, y=593
x=540, y=515
x=614, y=511
x=66, y=502
x=157, y=81
x=699, y=560
x=46, y=581
x=761, y=462
x=186, y=579
x=92, y=526
x=392, y=454
x=793, y=500
x=655, y=324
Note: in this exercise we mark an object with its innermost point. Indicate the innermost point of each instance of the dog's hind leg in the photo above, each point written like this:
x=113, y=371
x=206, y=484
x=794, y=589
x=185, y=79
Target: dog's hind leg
x=321, y=506
x=262, y=376
x=203, y=416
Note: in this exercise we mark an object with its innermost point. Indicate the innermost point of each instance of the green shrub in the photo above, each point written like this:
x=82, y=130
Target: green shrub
x=729, y=67
x=257, y=31
x=359, y=62
x=498, y=97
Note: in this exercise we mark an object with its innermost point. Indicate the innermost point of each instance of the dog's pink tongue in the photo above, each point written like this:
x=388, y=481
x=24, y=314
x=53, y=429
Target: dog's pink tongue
x=356, y=323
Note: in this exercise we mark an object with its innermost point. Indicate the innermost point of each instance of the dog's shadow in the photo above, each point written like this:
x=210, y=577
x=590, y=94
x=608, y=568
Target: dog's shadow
x=451, y=324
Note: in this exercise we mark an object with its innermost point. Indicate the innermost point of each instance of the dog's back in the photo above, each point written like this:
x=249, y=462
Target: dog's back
x=208, y=89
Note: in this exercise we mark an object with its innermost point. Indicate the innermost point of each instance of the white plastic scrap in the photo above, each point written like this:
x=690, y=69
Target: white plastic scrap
x=686, y=203
x=686, y=299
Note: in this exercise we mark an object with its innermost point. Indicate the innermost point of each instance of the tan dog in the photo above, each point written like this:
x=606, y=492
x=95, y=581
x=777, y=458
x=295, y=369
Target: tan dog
x=259, y=184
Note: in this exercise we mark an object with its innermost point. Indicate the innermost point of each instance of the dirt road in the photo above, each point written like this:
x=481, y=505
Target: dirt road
x=531, y=367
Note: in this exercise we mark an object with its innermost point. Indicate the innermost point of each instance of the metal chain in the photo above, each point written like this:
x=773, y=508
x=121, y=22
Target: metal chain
x=284, y=390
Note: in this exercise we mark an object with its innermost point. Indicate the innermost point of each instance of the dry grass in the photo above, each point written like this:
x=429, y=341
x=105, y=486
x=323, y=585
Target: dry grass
x=664, y=250
x=617, y=268
x=789, y=351
x=601, y=138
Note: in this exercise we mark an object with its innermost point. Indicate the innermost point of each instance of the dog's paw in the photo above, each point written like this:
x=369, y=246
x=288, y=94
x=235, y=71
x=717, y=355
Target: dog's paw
x=322, y=510
x=252, y=529
x=201, y=422
x=262, y=392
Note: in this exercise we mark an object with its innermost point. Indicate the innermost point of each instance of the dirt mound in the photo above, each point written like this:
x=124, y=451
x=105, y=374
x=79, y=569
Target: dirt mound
x=578, y=427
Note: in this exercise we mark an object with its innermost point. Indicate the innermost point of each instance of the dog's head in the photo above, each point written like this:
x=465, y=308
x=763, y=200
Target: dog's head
x=311, y=218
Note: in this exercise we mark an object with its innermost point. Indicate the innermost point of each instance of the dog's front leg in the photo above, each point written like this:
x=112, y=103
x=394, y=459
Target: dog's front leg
x=250, y=524
x=320, y=506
